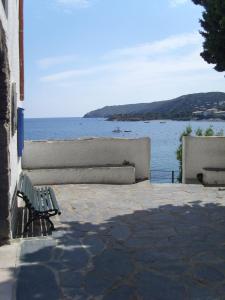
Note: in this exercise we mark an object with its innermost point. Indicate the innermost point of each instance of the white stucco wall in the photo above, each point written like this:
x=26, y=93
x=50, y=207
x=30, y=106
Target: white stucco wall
x=202, y=152
x=88, y=152
x=11, y=26
x=3, y=16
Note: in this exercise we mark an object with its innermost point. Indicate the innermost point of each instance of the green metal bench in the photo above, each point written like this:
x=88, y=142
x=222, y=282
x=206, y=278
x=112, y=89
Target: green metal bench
x=41, y=202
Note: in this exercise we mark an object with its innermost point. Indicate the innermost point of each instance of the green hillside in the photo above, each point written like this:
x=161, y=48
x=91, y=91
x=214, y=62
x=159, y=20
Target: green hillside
x=180, y=108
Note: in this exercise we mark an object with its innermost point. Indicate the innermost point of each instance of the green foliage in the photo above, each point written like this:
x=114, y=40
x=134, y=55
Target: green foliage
x=213, y=24
x=209, y=132
x=180, y=108
x=199, y=132
x=220, y=133
x=187, y=132
x=179, y=152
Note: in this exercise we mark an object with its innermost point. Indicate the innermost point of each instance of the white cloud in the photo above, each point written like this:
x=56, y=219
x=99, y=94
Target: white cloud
x=158, y=47
x=160, y=55
x=175, y=3
x=53, y=61
x=191, y=62
x=74, y=3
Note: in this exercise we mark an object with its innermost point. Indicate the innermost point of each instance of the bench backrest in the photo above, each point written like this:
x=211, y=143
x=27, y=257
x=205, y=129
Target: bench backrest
x=40, y=200
x=26, y=188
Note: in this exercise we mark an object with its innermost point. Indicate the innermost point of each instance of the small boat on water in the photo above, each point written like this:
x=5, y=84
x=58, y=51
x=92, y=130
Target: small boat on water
x=162, y=122
x=127, y=131
x=117, y=130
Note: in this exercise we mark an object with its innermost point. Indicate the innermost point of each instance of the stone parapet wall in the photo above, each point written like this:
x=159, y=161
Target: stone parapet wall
x=199, y=153
x=92, y=152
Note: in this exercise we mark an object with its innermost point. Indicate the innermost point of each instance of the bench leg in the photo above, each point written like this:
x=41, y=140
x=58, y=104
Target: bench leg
x=30, y=220
x=33, y=217
x=27, y=226
x=50, y=222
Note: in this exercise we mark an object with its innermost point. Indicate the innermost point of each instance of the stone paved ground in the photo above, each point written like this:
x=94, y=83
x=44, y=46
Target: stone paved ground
x=8, y=262
x=138, y=242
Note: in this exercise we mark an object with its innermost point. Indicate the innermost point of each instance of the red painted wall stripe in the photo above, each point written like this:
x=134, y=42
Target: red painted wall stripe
x=21, y=48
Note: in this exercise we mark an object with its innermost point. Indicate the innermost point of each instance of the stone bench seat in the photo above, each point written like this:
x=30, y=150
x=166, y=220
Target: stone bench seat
x=109, y=174
x=212, y=176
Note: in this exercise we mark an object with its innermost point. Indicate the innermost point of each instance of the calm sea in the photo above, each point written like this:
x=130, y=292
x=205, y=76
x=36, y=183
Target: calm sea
x=164, y=136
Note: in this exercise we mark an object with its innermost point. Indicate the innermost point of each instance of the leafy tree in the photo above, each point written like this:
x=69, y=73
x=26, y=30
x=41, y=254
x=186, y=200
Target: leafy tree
x=199, y=132
x=209, y=131
x=220, y=133
x=213, y=24
x=179, y=152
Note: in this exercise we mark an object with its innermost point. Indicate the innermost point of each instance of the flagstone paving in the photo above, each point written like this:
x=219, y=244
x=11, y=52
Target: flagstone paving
x=137, y=242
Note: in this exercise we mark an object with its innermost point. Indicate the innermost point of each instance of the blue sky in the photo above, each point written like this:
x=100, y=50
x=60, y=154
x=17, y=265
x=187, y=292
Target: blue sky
x=84, y=54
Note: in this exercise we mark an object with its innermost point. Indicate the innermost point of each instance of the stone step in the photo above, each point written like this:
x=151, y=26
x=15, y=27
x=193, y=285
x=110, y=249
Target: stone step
x=93, y=175
x=213, y=176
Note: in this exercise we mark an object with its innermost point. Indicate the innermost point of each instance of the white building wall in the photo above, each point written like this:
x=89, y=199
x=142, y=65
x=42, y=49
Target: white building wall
x=201, y=152
x=10, y=22
x=3, y=16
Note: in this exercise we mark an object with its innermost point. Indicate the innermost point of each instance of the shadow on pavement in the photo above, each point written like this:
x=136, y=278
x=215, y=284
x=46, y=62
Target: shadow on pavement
x=169, y=252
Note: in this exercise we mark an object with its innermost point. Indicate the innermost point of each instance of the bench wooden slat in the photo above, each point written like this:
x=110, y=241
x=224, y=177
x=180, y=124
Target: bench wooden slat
x=49, y=200
x=26, y=192
x=30, y=193
x=23, y=186
x=53, y=198
x=35, y=200
x=28, y=188
x=20, y=184
x=42, y=207
x=45, y=204
x=25, y=189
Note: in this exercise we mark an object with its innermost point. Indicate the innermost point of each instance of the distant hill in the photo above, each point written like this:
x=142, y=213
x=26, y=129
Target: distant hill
x=180, y=108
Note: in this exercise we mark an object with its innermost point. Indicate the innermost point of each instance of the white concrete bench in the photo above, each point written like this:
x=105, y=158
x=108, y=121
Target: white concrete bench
x=213, y=176
x=97, y=175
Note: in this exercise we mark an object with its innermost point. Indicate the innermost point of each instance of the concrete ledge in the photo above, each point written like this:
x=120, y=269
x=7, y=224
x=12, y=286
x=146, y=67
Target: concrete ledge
x=192, y=181
x=97, y=175
x=213, y=176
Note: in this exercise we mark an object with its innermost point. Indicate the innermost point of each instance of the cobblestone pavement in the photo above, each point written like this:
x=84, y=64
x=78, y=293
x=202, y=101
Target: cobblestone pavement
x=137, y=242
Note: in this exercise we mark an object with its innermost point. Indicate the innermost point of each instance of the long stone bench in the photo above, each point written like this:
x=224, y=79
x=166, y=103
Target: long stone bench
x=98, y=174
x=213, y=176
